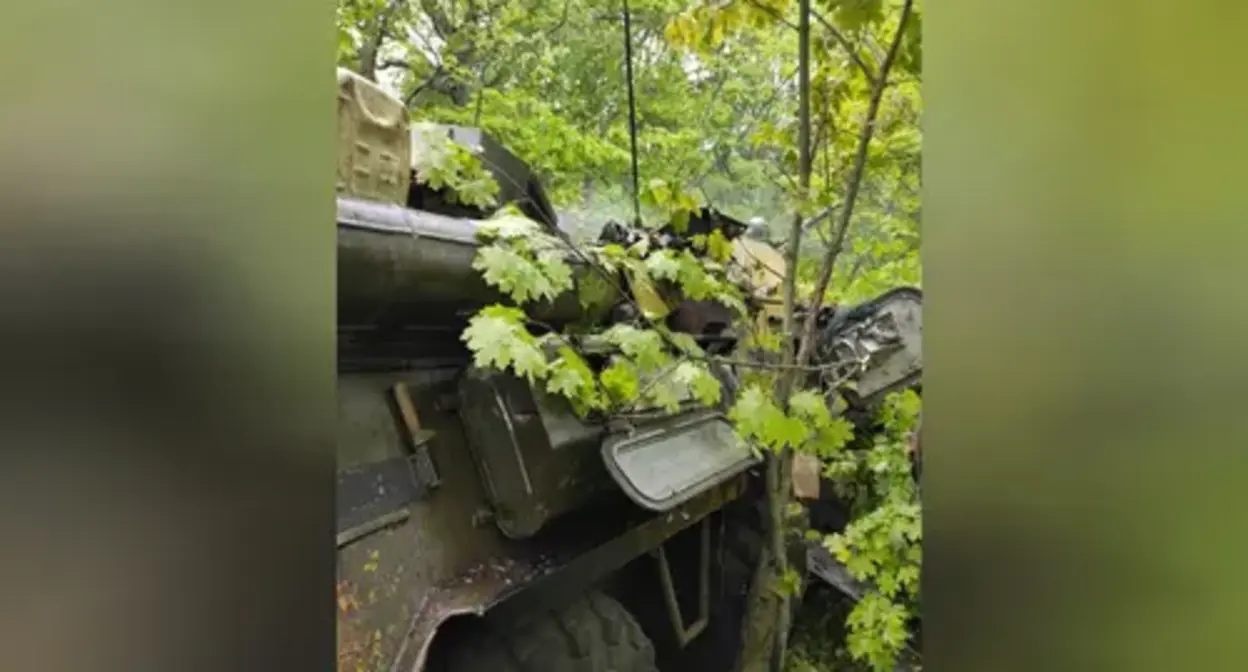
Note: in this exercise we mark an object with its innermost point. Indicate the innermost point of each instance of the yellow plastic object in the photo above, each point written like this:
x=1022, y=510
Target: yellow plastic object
x=764, y=269
x=647, y=296
x=374, y=146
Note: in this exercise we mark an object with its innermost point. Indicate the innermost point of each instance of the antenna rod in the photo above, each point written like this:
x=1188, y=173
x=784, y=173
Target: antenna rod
x=632, y=112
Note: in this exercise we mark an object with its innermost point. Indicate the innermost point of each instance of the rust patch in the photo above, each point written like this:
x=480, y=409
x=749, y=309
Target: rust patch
x=359, y=649
x=486, y=585
x=347, y=601
x=472, y=592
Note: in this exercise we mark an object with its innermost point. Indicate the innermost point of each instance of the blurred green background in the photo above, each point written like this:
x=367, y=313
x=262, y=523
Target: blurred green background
x=1085, y=499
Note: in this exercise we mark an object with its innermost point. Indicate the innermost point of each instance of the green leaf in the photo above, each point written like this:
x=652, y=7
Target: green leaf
x=680, y=220
x=685, y=343
x=790, y=582
x=718, y=247
x=698, y=378
x=621, y=380
x=658, y=193
x=664, y=392
x=643, y=346
x=838, y=547
x=756, y=417
x=810, y=405
x=508, y=226
x=833, y=437
x=571, y=378
x=443, y=163
x=594, y=292
x=831, y=434
x=662, y=265
x=556, y=271
x=694, y=280
x=767, y=341
x=498, y=339
x=610, y=256
x=513, y=274
x=523, y=263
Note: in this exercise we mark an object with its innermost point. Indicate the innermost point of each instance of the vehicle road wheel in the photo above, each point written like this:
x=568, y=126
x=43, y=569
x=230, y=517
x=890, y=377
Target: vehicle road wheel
x=594, y=634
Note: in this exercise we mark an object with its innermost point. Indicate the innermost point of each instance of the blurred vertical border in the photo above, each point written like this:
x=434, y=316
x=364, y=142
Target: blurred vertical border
x=1086, y=443
x=166, y=335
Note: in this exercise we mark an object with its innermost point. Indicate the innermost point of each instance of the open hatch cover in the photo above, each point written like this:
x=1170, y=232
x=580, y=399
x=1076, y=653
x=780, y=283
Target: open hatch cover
x=663, y=466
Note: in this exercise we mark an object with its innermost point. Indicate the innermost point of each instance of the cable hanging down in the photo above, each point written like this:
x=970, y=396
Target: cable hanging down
x=632, y=112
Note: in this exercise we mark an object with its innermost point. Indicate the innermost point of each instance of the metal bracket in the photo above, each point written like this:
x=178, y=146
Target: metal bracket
x=368, y=527
x=821, y=563
x=684, y=634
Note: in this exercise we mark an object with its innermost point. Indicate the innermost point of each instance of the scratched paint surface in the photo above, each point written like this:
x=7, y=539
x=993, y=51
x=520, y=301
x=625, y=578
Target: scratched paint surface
x=395, y=586
x=385, y=577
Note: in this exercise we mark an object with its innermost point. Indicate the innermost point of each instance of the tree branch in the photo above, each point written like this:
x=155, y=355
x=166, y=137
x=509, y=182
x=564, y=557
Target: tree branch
x=438, y=19
x=563, y=20
x=372, y=48
x=853, y=271
x=766, y=366
x=849, y=48
x=774, y=14
x=394, y=63
x=411, y=95
x=819, y=217
x=852, y=186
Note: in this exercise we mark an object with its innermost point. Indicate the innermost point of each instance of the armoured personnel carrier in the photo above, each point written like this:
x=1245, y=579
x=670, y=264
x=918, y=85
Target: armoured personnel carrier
x=483, y=526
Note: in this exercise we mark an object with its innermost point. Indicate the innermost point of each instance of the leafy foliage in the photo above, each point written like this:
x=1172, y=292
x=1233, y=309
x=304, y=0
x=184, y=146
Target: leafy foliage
x=443, y=163
x=527, y=264
x=499, y=340
x=881, y=546
x=648, y=366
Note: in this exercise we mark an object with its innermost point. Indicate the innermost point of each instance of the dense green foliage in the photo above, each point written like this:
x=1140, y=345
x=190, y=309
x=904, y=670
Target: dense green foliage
x=718, y=96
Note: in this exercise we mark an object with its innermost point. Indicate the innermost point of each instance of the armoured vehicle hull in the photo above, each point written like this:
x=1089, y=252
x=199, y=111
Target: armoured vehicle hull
x=480, y=524
x=463, y=494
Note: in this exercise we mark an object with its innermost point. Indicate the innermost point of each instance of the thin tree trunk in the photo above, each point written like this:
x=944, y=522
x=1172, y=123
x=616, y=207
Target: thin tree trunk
x=765, y=605
x=780, y=467
x=765, y=631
